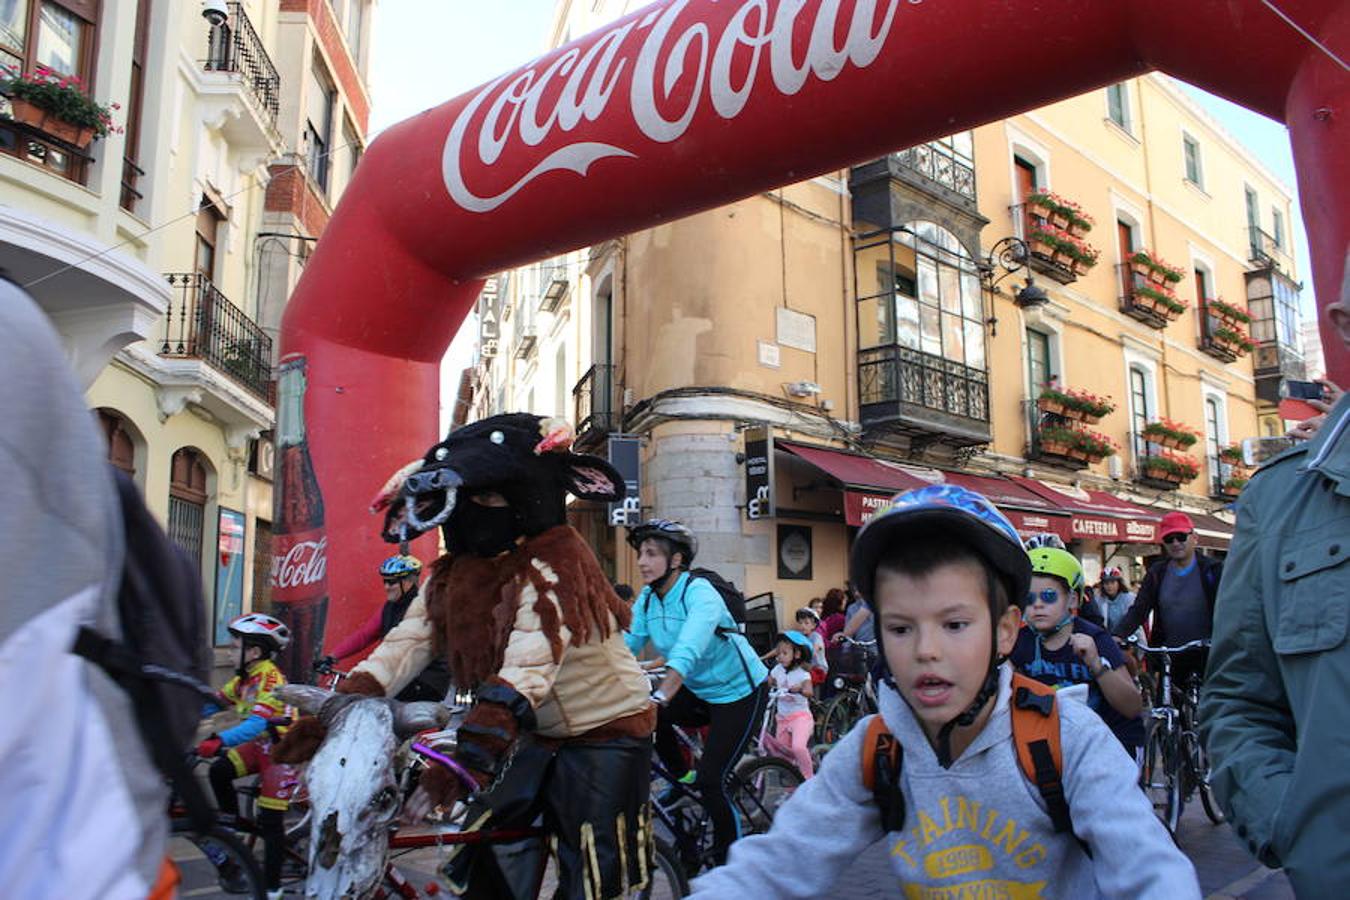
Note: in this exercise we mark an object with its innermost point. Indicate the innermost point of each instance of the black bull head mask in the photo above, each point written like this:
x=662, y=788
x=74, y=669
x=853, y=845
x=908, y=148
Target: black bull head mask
x=524, y=458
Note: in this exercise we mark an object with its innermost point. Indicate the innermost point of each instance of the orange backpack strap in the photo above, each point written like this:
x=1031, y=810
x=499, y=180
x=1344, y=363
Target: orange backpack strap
x=1035, y=730
x=882, y=756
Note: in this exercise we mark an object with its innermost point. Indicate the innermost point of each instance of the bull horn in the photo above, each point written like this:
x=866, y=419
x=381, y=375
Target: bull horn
x=422, y=715
x=304, y=697
x=384, y=497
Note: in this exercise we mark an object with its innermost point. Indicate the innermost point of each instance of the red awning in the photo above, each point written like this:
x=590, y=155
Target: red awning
x=869, y=483
x=1211, y=532
x=1097, y=515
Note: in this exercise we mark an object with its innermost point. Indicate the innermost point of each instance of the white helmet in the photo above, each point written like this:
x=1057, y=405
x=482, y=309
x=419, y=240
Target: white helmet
x=1045, y=539
x=262, y=630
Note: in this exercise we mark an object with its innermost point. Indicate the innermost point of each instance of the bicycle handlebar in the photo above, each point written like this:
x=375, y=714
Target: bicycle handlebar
x=1198, y=644
x=437, y=757
x=857, y=643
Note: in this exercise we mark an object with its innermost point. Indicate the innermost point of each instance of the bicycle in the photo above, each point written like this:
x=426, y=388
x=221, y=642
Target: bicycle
x=666, y=878
x=229, y=863
x=855, y=697
x=1175, y=764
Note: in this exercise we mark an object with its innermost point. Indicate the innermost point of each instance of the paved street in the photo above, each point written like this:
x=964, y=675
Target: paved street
x=1225, y=868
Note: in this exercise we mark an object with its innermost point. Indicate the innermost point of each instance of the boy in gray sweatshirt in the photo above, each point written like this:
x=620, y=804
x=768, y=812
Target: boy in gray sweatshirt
x=938, y=568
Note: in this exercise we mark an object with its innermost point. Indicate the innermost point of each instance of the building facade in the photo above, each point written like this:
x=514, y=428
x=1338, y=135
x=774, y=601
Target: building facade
x=165, y=251
x=789, y=360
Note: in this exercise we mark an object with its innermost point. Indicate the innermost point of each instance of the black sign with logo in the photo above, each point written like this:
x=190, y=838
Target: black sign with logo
x=759, y=473
x=794, y=552
x=625, y=454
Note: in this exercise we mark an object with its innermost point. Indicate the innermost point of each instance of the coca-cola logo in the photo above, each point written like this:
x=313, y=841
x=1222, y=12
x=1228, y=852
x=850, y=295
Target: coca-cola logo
x=305, y=563
x=670, y=60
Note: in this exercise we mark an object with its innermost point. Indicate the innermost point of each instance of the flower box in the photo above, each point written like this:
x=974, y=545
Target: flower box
x=1038, y=208
x=1054, y=446
x=50, y=124
x=1227, y=312
x=1169, y=434
x=1233, y=486
x=1232, y=454
x=67, y=113
x=1078, y=228
x=1157, y=276
x=1059, y=219
x=1050, y=405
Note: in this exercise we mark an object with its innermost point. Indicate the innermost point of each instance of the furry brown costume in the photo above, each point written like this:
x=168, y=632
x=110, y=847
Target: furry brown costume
x=472, y=602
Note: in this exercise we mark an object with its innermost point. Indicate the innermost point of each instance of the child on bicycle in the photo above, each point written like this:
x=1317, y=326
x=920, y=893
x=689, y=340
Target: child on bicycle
x=1061, y=649
x=939, y=568
x=792, y=683
x=246, y=748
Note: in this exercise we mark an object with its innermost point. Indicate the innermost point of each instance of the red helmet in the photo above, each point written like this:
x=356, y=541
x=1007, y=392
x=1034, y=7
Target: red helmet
x=1113, y=574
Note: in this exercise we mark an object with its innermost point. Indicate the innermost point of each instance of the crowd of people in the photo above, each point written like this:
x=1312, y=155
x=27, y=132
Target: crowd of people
x=983, y=769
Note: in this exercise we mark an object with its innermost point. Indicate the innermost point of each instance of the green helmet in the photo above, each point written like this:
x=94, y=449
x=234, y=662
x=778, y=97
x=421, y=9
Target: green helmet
x=1059, y=563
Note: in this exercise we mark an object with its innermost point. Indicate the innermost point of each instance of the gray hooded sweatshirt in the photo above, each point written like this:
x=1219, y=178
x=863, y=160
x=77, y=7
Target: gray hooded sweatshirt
x=978, y=829
x=83, y=808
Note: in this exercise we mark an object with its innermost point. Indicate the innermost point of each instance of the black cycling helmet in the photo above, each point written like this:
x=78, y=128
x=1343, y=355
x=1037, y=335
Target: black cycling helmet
x=676, y=534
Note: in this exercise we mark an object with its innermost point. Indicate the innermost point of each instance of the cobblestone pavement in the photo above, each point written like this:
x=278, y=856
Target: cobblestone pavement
x=1225, y=868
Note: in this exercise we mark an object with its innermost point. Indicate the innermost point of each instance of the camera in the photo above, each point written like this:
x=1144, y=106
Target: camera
x=215, y=12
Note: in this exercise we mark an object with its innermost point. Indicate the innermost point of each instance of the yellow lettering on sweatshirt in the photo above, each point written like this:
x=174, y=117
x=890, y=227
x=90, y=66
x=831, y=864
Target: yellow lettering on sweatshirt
x=1030, y=856
x=931, y=832
x=989, y=820
x=960, y=860
x=1005, y=837
x=900, y=851
x=967, y=814
x=977, y=890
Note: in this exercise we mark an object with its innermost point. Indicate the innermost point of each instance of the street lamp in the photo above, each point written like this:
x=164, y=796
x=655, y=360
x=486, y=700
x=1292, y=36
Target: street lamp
x=1010, y=255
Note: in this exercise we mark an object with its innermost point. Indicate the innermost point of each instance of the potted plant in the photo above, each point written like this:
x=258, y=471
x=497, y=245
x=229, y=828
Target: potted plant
x=1164, y=272
x=57, y=105
x=1094, y=446
x=1088, y=406
x=1042, y=203
x=1141, y=262
x=1152, y=296
x=1080, y=223
x=1232, y=454
x=1170, y=434
x=1169, y=467
x=1042, y=240
x=1053, y=400
x=1086, y=257
x=1220, y=308
x=1173, y=306
x=1234, y=338
x=1057, y=439
x=1233, y=486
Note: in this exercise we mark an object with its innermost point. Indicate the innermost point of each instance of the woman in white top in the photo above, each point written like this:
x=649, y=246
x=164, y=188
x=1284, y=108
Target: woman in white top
x=791, y=680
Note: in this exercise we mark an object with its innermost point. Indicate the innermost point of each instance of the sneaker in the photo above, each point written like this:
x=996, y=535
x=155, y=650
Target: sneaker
x=231, y=878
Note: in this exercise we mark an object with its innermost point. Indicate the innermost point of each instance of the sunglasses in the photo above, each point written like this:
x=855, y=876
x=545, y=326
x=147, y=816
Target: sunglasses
x=1049, y=597
x=1178, y=537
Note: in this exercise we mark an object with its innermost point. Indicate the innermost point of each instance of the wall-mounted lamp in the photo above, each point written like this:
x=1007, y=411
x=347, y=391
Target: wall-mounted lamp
x=1010, y=255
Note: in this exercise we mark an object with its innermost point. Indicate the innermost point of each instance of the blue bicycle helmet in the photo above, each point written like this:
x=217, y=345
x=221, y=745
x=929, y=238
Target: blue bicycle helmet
x=797, y=638
x=396, y=567
x=945, y=509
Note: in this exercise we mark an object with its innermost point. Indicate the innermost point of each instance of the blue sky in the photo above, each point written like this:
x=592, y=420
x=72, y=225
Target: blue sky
x=428, y=51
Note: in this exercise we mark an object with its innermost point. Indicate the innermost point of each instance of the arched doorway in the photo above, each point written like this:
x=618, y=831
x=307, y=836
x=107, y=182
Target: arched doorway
x=121, y=438
x=189, y=473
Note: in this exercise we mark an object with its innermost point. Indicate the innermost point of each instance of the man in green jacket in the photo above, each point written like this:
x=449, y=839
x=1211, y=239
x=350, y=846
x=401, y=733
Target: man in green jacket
x=1275, y=712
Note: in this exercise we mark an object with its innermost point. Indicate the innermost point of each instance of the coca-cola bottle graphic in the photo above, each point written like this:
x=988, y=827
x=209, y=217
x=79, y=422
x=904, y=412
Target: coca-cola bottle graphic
x=299, y=545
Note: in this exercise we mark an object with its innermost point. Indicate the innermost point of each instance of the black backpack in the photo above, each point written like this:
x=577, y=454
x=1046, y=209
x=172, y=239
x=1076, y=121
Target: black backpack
x=733, y=598
x=163, y=660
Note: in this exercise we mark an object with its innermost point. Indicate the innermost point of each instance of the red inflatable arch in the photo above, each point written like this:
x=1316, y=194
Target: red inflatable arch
x=689, y=104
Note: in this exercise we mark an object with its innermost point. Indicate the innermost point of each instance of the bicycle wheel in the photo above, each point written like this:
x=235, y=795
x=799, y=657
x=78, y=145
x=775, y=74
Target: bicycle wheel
x=760, y=786
x=840, y=716
x=1161, y=781
x=667, y=875
x=214, y=860
x=1199, y=764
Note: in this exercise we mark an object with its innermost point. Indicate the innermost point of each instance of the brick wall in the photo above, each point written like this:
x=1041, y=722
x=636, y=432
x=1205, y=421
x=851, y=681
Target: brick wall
x=289, y=191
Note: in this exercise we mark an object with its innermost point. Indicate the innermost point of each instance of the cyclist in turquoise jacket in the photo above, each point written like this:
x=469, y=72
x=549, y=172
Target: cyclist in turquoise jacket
x=713, y=676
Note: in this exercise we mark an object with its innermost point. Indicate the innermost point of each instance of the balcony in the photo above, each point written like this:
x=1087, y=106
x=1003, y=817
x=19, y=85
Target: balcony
x=1061, y=437
x=1147, y=300
x=1264, y=252
x=1053, y=262
x=1222, y=332
x=202, y=324
x=554, y=294
x=240, y=85
x=527, y=340
x=1158, y=467
x=593, y=401
x=36, y=146
x=923, y=396
x=941, y=167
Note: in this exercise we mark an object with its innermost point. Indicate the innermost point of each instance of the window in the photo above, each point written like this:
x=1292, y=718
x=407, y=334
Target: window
x=1125, y=246
x=1213, y=439
x=560, y=382
x=208, y=232
x=1277, y=228
x=53, y=33
x=352, y=142
x=1253, y=221
x=319, y=123
x=1191, y=151
x=131, y=172
x=1118, y=105
x=1038, y=360
x=938, y=305
x=1272, y=300
x=1141, y=410
x=121, y=445
x=1024, y=171
x=188, y=472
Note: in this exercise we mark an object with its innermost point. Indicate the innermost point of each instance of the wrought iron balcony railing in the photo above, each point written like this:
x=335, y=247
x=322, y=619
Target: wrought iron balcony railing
x=593, y=400
x=234, y=46
x=131, y=178
x=1264, y=251
x=202, y=324
x=1048, y=451
x=41, y=149
x=919, y=393
x=939, y=164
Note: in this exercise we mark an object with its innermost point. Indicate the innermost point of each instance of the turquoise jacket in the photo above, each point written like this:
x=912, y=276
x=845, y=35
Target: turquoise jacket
x=691, y=628
x=1275, y=712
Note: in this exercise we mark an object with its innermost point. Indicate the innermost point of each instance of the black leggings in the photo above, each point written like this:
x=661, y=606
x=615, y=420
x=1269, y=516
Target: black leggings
x=271, y=822
x=730, y=727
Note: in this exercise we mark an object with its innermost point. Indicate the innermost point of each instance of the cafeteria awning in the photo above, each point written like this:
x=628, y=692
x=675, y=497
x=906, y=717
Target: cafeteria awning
x=869, y=483
x=1211, y=532
x=1097, y=515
